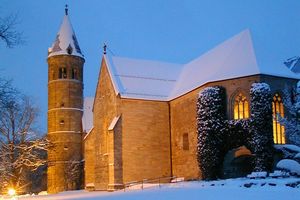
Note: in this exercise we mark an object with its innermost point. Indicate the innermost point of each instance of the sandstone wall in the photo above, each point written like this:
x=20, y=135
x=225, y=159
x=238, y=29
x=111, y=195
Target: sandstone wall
x=146, y=139
x=183, y=121
x=89, y=158
x=105, y=109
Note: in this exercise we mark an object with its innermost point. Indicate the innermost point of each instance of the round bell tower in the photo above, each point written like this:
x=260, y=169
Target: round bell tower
x=65, y=109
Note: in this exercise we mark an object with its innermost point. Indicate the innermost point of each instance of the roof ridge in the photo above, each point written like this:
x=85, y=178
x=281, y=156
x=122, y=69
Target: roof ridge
x=142, y=77
x=144, y=94
x=141, y=59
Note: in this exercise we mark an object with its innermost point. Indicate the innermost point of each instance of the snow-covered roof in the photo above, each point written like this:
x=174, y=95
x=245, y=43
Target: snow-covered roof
x=66, y=42
x=142, y=79
x=152, y=80
x=87, y=117
x=293, y=64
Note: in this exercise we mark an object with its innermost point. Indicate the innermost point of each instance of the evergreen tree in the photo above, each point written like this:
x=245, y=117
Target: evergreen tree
x=292, y=121
x=261, y=139
x=211, y=127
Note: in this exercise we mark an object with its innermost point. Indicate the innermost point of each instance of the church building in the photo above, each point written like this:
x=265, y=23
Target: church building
x=144, y=112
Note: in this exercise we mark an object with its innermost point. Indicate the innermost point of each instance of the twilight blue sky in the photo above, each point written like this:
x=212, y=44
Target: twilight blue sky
x=167, y=30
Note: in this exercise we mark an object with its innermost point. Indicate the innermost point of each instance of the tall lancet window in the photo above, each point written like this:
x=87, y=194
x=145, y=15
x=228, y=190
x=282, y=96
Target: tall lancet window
x=241, y=107
x=278, y=111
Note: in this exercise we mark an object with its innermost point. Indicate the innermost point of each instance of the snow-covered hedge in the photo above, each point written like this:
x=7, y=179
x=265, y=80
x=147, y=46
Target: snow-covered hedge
x=291, y=121
x=217, y=135
x=261, y=129
x=211, y=125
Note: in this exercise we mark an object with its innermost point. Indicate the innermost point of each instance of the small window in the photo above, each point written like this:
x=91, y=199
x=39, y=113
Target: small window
x=62, y=122
x=241, y=107
x=62, y=74
x=278, y=111
x=185, y=141
x=62, y=104
x=74, y=73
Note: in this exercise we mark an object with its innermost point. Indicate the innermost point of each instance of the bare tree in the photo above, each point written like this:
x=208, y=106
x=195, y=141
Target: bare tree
x=72, y=174
x=8, y=33
x=20, y=146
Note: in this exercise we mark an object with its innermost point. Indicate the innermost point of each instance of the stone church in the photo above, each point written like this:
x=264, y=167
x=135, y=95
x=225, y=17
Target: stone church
x=141, y=124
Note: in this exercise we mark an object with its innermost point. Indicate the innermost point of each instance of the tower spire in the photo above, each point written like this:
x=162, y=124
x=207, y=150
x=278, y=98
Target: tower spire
x=66, y=42
x=66, y=9
x=104, y=48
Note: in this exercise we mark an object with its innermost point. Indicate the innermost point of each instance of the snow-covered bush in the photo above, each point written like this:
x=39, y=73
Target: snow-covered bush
x=289, y=165
x=211, y=127
x=261, y=126
x=217, y=135
x=292, y=121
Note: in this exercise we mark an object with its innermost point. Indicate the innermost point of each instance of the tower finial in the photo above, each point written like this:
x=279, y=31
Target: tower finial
x=66, y=9
x=104, y=48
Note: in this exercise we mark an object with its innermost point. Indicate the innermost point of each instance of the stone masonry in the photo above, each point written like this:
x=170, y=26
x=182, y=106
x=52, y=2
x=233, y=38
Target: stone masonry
x=65, y=101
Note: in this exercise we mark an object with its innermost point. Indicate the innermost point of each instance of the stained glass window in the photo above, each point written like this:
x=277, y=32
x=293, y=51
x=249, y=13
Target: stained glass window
x=278, y=111
x=241, y=107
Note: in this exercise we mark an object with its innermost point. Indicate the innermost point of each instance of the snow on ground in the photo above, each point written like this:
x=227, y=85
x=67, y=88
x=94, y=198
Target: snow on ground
x=242, y=188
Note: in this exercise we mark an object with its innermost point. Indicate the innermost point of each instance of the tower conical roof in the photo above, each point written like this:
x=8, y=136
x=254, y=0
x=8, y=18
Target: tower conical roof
x=66, y=42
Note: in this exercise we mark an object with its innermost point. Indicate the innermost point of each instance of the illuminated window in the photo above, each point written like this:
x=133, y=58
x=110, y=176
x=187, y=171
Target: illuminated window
x=241, y=107
x=185, y=141
x=62, y=73
x=278, y=111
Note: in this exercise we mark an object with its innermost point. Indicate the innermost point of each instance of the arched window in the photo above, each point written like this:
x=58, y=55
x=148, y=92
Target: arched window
x=62, y=73
x=241, y=107
x=74, y=73
x=278, y=111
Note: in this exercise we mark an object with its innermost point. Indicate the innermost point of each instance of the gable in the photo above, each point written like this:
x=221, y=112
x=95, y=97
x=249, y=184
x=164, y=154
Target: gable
x=106, y=86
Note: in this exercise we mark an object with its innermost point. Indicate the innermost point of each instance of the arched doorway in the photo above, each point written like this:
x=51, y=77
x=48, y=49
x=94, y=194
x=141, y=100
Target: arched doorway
x=238, y=162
